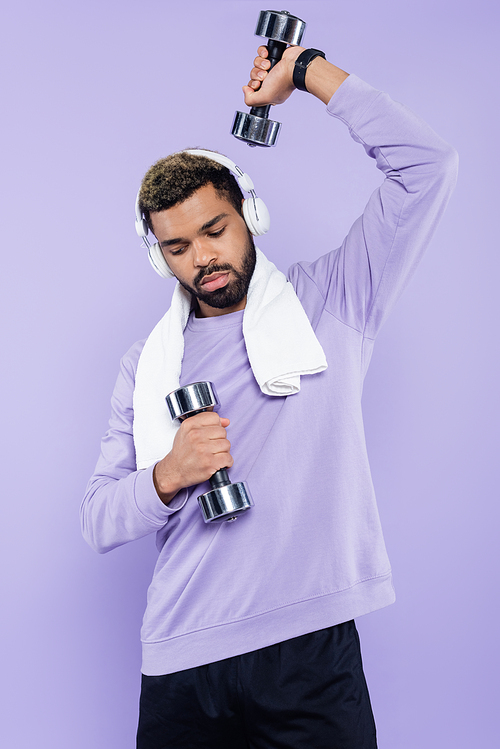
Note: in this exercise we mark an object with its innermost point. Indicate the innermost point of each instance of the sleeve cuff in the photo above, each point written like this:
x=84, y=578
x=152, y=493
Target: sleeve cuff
x=149, y=503
x=351, y=100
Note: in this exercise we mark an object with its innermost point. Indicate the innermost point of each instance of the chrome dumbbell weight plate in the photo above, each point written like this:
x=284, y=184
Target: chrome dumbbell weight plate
x=225, y=501
x=191, y=399
x=254, y=130
x=280, y=28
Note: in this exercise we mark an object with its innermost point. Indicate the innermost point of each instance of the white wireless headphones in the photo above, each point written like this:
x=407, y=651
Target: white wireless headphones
x=254, y=209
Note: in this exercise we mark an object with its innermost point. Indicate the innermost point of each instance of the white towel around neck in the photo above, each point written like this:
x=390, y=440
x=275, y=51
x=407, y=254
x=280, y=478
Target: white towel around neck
x=280, y=342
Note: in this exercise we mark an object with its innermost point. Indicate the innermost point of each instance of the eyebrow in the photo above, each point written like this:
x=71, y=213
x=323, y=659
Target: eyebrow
x=207, y=225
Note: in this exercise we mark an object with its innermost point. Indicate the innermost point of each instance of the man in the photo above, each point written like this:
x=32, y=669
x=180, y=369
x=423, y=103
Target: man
x=248, y=637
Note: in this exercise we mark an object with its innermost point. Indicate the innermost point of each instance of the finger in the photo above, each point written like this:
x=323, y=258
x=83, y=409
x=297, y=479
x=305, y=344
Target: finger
x=251, y=87
x=261, y=63
x=262, y=51
x=202, y=419
x=253, y=95
x=220, y=446
x=207, y=433
x=250, y=94
x=214, y=435
x=257, y=75
x=196, y=424
x=223, y=460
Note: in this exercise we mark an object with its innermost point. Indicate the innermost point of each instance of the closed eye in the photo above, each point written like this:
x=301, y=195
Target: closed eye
x=217, y=233
x=212, y=235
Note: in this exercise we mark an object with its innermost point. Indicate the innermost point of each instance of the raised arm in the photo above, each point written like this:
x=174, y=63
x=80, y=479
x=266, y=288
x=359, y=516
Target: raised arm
x=361, y=281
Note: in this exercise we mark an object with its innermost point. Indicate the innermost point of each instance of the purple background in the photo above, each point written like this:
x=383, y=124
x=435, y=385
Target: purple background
x=95, y=92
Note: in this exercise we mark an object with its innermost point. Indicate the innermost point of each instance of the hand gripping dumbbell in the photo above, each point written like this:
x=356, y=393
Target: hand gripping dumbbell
x=226, y=500
x=280, y=29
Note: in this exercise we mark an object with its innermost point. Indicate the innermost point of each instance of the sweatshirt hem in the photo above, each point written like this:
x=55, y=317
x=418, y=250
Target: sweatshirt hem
x=216, y=643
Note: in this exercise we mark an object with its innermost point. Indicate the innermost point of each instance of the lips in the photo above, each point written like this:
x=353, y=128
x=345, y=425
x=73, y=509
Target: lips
x=215, y=281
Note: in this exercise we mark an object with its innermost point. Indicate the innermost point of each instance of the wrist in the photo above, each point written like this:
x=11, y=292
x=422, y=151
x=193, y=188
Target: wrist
x=164, y=483
x=302, y=63
x=289, y=56
x=323, y=79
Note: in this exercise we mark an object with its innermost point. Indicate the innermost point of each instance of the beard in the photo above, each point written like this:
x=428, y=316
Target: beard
x=235, y=290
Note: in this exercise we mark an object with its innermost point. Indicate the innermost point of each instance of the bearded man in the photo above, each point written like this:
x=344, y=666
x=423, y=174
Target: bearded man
x=249, y=637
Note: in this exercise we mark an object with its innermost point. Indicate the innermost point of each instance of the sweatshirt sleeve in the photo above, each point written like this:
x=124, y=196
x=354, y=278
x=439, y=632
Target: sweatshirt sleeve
x=360, y=282
x=121, y=503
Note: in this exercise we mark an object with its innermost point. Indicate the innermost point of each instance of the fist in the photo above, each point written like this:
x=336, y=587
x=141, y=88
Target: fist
x=271, y=86
x=200, y=449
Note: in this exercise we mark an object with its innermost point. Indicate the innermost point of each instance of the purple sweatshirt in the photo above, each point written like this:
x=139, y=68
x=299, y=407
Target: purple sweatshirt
x=310, y=553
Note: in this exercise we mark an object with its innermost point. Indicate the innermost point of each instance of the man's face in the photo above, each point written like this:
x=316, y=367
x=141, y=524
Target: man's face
x=206, y=244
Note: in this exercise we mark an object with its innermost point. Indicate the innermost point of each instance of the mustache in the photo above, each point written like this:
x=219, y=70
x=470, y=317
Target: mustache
x=212, y=269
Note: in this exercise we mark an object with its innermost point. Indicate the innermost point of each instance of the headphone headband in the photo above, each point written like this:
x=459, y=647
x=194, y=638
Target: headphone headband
x=254, y=211
x=244, y=180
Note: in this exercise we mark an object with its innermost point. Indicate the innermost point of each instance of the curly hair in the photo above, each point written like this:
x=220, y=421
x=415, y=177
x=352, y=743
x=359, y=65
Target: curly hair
x=174, y=179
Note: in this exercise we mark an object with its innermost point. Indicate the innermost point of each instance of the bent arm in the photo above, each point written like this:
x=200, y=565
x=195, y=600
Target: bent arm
x=121, y=503
x=365, y=277
x=361, y=281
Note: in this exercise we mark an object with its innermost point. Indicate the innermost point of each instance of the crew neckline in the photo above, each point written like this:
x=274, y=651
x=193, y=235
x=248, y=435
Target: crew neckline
x=231, y=320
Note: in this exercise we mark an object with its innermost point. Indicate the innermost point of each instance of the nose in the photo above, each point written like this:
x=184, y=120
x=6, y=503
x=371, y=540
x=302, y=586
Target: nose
x=203, y=253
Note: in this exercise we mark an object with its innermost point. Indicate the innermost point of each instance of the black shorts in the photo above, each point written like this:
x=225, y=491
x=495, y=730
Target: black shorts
x=309, y=693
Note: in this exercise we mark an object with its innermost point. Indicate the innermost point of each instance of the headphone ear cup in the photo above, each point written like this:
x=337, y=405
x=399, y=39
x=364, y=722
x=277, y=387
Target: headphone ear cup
x=158, y=261
x=141, y=227
x=256, y=216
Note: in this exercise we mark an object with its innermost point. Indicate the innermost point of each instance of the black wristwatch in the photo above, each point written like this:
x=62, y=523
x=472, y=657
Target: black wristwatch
x=301, y=64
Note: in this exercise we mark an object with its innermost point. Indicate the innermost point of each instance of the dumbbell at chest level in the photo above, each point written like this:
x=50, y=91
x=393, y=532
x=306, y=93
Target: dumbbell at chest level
x=225, y=501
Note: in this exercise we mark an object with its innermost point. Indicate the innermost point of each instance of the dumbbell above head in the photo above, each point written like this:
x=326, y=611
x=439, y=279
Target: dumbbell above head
x=280, y=28
x=226, y=500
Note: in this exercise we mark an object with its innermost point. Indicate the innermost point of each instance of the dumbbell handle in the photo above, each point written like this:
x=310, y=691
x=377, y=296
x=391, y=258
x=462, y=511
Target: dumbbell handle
x=275, y=53
x=220, y=477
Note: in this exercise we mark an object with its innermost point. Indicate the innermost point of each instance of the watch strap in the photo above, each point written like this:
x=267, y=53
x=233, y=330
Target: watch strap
x=301, y=64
